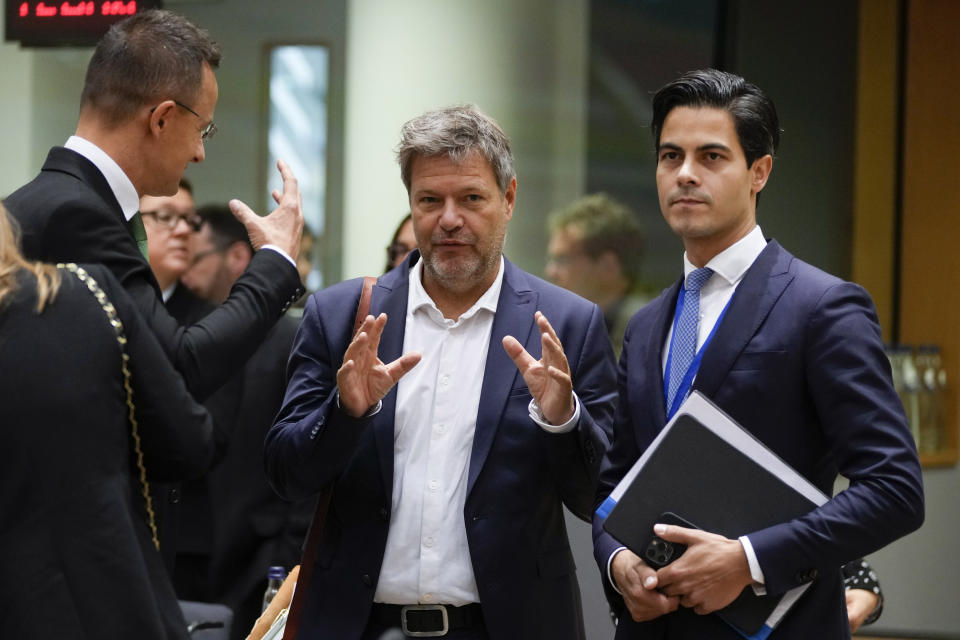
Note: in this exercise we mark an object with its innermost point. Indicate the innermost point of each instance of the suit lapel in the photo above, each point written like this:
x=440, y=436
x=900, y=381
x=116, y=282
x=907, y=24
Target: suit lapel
x=390, y=296
x=72, y=163
x=654, y=354
x=762, y=286
x=514, y=316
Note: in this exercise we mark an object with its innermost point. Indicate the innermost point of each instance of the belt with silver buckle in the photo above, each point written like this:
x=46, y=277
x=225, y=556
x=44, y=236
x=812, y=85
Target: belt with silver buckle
x=427, y=620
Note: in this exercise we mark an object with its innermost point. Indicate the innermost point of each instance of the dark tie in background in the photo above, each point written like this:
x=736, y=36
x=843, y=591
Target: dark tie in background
x=139, y=234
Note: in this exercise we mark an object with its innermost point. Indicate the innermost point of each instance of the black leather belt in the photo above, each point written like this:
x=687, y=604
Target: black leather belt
x=427, y=620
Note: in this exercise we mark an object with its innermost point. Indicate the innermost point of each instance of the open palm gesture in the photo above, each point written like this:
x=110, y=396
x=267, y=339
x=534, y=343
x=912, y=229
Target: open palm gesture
x=547, y=378
x=363, y=379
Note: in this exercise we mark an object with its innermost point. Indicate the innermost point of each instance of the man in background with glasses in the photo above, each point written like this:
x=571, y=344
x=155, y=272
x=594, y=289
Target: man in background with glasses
x=146, y=111
x=169, y=222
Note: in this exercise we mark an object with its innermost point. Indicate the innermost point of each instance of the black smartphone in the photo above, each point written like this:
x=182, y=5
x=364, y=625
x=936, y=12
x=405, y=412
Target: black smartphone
x=657, y=552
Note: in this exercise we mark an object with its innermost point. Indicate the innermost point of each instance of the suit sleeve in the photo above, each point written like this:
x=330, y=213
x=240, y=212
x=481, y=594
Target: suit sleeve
x=208, y=352
x=312, y=439
x=176, y=432
x=848, y=376
x=575, y=456
x=619, y=458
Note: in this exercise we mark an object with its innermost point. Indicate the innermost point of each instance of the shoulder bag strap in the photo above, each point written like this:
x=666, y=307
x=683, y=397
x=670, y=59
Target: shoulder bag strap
x=323, y=503
x=117, y=325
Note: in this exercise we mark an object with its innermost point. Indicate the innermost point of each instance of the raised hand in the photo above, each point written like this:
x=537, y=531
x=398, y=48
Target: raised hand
x=547, y=378
x=637, y=583
x=284, y=226
x=363, y=379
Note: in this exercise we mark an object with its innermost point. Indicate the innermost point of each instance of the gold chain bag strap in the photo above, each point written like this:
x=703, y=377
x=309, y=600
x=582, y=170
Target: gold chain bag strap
x=117, y=325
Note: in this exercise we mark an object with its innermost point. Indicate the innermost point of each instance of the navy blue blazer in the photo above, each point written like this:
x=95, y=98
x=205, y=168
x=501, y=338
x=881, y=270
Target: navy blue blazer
x=519, y=475
x=798, y=361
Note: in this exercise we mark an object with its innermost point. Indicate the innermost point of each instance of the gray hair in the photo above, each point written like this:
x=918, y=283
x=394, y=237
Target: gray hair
x=456, y=132
x=149, y=56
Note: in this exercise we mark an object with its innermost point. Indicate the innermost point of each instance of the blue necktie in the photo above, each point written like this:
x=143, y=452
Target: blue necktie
x=683, y=346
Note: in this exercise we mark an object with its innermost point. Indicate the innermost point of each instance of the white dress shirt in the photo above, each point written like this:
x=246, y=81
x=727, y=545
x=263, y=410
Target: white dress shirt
x=121, y=186
x=729, y=266
x=427, y=559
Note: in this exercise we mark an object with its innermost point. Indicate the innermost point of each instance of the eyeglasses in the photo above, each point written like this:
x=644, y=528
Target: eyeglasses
x=170, y=219
x=208, y=131
x=397, y=250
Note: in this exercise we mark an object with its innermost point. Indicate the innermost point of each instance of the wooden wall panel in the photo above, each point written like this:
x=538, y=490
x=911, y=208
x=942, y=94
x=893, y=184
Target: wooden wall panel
x=875, y=149
x=930, y=268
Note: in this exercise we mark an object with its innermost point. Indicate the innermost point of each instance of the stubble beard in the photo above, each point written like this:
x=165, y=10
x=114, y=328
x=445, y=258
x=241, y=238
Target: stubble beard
x=459, y=275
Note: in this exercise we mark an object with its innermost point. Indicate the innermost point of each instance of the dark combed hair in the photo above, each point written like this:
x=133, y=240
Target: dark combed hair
x=225, y=229
x=151, y=56
x=604, y=225
x=754, y=116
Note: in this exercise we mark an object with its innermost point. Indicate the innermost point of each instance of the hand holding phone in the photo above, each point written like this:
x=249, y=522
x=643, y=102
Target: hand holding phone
x=658, y=552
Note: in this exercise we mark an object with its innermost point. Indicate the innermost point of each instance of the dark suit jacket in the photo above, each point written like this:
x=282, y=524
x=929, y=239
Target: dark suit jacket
x=254, y=528
x=69, y=214
x=183, y=511
x=231, y=523
x=798, y=361
x=518, y=479
x=77, y=557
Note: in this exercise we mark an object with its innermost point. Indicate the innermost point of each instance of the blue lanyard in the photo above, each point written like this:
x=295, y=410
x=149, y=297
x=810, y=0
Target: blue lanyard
x=684, y=390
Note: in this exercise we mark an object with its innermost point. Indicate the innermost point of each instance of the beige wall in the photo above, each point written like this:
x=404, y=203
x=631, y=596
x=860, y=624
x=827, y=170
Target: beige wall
x=522, y=63
x=16, y=114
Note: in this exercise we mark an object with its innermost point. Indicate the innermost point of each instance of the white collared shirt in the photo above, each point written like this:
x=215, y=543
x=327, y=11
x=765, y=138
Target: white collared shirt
x=121, y=186
x=729, y=266
x=427, y=559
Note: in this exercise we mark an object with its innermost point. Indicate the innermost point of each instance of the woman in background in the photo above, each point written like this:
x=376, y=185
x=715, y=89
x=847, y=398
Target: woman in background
x=77, y=552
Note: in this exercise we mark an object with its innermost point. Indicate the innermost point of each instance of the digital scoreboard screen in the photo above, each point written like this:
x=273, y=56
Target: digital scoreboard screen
x=54, y=24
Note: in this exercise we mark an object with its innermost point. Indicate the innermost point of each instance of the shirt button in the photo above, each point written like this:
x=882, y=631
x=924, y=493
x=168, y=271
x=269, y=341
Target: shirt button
x=434, y=485
x=428, y=541
x=428, y=597
x=440, y=429
x=444, y=381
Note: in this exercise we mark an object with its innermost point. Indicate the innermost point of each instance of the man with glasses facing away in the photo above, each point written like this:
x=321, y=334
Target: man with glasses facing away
x=146, y=110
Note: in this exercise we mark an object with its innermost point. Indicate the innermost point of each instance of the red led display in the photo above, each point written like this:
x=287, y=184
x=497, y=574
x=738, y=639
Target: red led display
x=52, y=23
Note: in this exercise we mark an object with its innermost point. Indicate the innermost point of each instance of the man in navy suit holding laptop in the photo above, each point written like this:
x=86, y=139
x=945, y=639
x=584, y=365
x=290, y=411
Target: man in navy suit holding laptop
x=791, y=353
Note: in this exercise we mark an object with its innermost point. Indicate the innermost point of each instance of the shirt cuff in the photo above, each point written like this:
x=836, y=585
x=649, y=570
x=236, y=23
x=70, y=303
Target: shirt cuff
x=286, y=255
x=372, y=411
x=755, y=571
x=609, y=565
x=537, y=416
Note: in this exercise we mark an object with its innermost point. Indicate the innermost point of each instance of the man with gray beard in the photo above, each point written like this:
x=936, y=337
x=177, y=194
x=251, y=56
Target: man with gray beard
x=473, y=403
